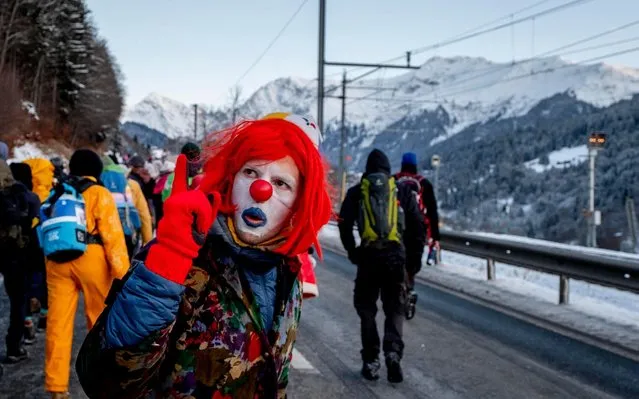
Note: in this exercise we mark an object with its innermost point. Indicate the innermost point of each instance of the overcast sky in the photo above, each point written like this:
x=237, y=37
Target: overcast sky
x=195, y=50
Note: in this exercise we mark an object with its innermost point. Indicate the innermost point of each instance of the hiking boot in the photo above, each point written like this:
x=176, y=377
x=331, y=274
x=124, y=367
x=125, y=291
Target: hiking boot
x=411, y=304
x=394, y=369
x=42, y=322
x=60, y=395
x=29, y=332
x=370, y=370
x=16, y=356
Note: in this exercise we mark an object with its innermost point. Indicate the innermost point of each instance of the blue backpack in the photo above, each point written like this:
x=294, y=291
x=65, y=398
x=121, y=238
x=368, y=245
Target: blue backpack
x=63, y=228
x=114, y=179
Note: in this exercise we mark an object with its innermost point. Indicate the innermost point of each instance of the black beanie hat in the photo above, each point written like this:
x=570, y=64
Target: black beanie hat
x=191, y=150
x=377, y=162
x=22, y=173
x=85, y=163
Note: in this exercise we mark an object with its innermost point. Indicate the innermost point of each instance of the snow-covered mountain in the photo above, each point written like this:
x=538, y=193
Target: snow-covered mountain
x=163, y=114
x=467, y=90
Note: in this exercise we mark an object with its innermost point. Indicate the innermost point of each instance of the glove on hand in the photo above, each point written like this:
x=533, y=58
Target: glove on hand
x=188, y=215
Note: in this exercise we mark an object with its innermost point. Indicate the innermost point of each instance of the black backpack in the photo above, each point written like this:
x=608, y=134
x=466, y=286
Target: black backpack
x=14, y=217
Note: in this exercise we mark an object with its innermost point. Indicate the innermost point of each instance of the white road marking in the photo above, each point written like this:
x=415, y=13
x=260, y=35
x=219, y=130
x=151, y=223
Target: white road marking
x=299, y=362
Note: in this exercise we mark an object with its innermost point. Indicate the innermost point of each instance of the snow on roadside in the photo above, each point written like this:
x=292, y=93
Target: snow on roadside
x=551, y=244
x=605, y=303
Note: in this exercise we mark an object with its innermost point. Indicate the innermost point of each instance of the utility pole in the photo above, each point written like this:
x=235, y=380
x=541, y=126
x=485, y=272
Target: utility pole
x=342, y=143
x=596, y=142
x=592, y=229
x=435, y=162
x=195, y=123
x=631, y=215
x=321, y=93
x=342, y=97
x=320, y=65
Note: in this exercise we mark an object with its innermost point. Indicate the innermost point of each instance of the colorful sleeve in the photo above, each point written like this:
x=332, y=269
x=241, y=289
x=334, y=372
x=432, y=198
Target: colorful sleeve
x=282, y=382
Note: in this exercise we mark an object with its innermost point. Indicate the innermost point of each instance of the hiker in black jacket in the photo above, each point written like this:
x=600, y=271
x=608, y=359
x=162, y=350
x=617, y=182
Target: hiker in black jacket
x=381, y=258
x=19, y=207
x=32, y=258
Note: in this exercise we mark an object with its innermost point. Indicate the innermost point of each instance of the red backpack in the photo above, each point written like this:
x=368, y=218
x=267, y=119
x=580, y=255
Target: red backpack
x=413, y=181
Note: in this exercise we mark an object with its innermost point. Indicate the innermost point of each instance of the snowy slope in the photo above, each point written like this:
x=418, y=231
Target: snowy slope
x=168, y=116
x=562, y=158
x=469, y=90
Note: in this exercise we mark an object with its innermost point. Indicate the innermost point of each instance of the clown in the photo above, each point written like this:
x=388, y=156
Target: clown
x=211, y=308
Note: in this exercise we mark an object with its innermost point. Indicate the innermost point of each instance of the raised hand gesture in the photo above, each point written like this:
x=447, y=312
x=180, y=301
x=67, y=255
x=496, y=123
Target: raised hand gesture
x=188, y=216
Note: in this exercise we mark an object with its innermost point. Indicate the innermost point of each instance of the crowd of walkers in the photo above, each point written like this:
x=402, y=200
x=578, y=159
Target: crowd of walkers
x=67, y=230
x=83, y=229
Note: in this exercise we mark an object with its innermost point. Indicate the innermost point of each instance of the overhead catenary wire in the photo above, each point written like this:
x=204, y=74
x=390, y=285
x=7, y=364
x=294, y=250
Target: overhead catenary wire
x=483, y=28
x=512, y=78
x=536, y=15
x=602, y=45
x=499, y=68
x=502, y=18
x=493, y=69
x=271, y=43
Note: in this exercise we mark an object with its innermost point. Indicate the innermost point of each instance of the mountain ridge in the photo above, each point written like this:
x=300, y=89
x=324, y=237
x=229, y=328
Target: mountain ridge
x=469, y=89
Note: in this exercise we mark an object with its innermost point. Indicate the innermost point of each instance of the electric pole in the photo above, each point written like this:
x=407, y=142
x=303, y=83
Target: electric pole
x=320, y=65
x=195, y=122
x=435, y=162
x=342, y=143
x=592, y=229
x=631, y=215
x=596, y=142
x=321, y=94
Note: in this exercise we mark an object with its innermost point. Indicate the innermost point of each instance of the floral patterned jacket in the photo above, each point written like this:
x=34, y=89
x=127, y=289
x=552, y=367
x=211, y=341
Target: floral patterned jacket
x=203, y=340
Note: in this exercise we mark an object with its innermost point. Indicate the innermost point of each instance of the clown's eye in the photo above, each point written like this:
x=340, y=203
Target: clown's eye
x=281, y=184
x=252, y=173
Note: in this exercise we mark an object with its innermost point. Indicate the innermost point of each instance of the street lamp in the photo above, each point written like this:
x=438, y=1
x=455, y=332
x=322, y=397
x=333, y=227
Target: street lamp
x=596, y=142
x=435, y=162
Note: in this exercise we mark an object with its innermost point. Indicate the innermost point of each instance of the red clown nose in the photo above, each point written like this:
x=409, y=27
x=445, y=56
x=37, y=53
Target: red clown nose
x=261, y=190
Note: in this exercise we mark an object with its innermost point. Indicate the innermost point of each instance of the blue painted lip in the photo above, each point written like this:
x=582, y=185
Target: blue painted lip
x=254, y=217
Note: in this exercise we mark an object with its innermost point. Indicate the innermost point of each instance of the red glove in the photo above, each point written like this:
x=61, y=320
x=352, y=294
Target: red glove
x=188, y=215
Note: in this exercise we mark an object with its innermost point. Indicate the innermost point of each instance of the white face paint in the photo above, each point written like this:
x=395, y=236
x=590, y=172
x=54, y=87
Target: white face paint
x=256, y=221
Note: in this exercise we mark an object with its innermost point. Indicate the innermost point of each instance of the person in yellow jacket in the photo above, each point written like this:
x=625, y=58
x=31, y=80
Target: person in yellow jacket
x=134, y=191
x=142, y=206
x=42, y=175
x=92, y=274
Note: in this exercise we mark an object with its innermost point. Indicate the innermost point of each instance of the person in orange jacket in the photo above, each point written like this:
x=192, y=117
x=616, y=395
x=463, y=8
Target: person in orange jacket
x=92, y=273
x=42, y=173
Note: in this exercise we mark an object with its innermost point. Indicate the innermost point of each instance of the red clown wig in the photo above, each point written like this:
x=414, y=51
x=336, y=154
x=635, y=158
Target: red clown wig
x=270, y=140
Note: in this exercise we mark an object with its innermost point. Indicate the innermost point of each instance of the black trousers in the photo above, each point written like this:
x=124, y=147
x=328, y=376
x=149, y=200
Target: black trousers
x=15, y=282
x=381, y=274
x=36, y=272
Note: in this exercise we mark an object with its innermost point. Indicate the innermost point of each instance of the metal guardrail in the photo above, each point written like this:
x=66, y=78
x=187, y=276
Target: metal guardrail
x=620, y=273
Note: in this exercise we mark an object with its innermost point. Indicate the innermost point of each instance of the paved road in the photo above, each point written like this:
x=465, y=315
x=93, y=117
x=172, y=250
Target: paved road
x=454, y=349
